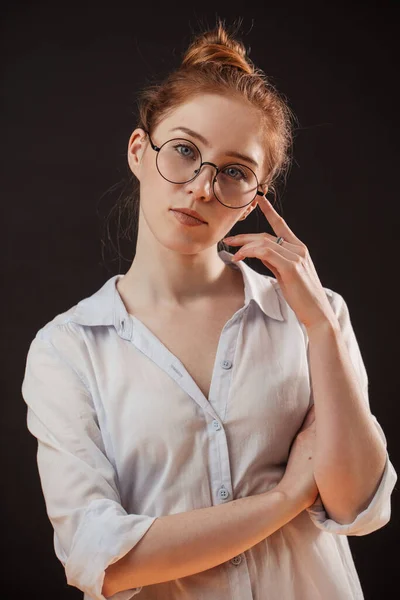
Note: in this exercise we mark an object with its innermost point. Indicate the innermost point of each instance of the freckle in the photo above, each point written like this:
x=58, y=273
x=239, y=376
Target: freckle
x=310, y=457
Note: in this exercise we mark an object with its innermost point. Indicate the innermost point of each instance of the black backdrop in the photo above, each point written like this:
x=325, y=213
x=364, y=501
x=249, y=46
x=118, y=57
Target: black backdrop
x=69, y=78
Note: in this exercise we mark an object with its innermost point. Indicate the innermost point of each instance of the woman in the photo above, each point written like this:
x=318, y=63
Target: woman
x=178, y=449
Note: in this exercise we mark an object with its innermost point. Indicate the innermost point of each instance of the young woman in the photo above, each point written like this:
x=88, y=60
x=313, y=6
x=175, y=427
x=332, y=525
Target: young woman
x=178, y=448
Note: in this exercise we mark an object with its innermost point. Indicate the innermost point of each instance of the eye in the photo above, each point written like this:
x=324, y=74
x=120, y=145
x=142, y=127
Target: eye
x=235, y=173
x=187, y=150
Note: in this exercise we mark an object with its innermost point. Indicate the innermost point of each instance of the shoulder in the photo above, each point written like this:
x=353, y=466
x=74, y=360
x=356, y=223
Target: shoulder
x=59, y=323
x=62, y=336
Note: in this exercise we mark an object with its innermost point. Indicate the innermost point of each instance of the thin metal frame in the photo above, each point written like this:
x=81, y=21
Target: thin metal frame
x=158, y=148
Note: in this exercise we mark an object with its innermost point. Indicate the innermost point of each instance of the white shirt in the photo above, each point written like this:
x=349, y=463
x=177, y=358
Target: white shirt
x=125, y=436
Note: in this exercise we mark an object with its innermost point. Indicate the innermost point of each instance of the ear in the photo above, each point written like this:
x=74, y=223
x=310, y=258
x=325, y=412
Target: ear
x=136, y=146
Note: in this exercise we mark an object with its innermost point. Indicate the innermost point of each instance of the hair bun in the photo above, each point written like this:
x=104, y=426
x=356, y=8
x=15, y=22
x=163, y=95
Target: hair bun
x=217, y=46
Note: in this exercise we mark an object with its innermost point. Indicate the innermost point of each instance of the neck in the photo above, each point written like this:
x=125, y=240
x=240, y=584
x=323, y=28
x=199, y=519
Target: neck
x=165, y=278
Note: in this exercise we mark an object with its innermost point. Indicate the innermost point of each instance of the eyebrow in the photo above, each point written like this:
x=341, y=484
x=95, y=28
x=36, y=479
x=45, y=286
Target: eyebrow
x=207, y=143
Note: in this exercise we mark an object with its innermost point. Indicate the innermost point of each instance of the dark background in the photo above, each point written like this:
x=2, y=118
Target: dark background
x=70, y=73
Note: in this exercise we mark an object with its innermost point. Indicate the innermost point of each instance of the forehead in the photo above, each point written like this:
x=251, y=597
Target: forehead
x=227, y=123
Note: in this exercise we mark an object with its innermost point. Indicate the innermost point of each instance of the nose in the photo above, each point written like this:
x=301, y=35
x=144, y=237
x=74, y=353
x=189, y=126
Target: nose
x=202, y=184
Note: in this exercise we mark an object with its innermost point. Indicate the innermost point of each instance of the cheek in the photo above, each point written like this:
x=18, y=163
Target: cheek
x=155, y=192
x=157, y=196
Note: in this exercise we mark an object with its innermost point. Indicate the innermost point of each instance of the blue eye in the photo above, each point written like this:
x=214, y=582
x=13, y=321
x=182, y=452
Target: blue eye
x=184, y=154
x=242, y=174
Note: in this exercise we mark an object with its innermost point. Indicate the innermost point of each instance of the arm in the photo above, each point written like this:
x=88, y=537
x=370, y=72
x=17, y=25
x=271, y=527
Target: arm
x=94, y=536
x=186, y=543
x=350, y=453
x=80, y=485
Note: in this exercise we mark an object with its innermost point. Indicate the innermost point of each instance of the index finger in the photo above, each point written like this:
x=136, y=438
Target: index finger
x=278, y=224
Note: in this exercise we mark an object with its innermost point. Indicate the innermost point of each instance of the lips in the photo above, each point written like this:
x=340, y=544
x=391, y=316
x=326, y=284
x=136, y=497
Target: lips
x=186, y=219
x=189, y=214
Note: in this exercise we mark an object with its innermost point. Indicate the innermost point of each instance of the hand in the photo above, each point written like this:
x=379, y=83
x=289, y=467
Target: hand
x=292, y=266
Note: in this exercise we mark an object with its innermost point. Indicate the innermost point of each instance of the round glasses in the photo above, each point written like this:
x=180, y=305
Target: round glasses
x=179, y=161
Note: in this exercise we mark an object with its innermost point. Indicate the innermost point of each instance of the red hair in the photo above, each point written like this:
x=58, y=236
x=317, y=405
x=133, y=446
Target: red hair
x=216, y=62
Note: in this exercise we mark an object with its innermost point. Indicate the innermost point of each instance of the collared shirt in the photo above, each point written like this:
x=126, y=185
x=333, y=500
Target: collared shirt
x=117, y=417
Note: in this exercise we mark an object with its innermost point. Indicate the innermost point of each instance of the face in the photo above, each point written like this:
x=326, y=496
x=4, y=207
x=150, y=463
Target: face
x=227, y=125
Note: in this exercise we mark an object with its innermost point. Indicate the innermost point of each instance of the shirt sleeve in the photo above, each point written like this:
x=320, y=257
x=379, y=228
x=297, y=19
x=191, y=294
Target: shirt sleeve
x=91, y=528
x=378, y=512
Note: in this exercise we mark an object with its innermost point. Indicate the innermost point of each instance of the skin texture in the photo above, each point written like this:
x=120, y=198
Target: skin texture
x=179, y=266
x=177, y=269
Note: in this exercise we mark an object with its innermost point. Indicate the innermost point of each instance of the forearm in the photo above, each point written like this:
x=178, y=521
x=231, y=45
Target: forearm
x=182, y=544
x=349, y=455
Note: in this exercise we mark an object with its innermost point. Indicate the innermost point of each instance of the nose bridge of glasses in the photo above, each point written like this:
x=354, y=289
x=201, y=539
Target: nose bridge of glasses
x=214, y=171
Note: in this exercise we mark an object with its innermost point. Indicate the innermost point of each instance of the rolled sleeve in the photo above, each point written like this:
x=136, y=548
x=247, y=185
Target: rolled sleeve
x=375, y=516
x=91, y=528
x=378, y=512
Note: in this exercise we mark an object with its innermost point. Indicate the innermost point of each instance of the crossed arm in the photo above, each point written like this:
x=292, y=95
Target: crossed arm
x=350, y=454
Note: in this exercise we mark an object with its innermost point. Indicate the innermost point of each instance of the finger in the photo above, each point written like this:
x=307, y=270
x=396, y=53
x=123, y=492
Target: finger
x=237, y=257
x=243, y=238
x=277, y=223
x=275, y=262
x=267, y=246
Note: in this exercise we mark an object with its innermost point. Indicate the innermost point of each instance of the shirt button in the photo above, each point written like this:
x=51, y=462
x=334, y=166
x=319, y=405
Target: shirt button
x=216, y=425
x=226, y=364
x=223, y=493
x=236, y=560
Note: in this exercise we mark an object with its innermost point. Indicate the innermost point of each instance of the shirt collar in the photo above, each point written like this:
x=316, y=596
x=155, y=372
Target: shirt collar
x=105, y=307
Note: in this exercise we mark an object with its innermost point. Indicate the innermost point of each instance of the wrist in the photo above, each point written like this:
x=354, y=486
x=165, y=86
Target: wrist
x=326, y=327
x=295, y=501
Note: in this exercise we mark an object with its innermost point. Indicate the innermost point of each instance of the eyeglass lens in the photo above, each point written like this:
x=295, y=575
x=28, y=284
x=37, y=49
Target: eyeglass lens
x=178, y=161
